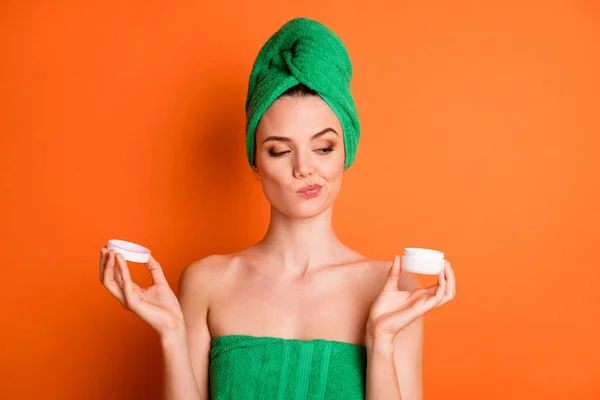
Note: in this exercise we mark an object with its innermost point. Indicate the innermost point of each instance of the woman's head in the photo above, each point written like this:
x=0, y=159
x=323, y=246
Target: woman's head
x=302, y=126
x=298, y=143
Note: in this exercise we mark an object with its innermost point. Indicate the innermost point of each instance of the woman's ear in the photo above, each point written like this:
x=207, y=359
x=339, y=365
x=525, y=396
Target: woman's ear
x=256, y=173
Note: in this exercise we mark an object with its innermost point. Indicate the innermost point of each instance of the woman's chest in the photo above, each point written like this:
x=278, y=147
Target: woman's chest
x=334, y=308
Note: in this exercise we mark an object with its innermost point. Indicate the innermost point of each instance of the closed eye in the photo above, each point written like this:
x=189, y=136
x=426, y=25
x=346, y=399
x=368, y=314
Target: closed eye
x=277, y=154
x=325, y=150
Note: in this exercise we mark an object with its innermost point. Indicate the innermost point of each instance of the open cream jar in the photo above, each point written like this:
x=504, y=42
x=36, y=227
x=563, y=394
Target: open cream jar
x=130, y=251
x=423, y=261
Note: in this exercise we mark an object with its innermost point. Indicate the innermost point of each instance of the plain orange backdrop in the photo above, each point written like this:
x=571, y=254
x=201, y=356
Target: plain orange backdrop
x=480, y=137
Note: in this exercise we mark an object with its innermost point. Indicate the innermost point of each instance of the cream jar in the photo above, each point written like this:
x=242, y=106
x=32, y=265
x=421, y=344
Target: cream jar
x=130, y=251
x=423, y=261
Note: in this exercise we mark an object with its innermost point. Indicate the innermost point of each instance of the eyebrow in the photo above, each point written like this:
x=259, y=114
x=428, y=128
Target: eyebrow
x=286, y=139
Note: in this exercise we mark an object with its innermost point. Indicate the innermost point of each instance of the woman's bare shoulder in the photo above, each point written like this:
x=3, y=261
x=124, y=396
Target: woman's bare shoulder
x=407, y=281
x=201, y=282
x=210, y=266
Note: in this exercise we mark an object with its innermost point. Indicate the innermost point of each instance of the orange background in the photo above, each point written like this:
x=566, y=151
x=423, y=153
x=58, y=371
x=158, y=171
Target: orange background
x=125, y=119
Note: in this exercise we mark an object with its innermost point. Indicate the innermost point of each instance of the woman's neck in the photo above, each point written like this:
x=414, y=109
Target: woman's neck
x=299, y=245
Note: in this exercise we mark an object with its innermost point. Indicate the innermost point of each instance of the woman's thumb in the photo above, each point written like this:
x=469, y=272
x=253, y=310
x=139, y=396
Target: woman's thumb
x=391, y=282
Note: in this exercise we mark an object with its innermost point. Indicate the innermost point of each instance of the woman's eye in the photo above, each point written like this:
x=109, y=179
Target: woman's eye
x=274, y=153
x=277, y=154
x=325, y=150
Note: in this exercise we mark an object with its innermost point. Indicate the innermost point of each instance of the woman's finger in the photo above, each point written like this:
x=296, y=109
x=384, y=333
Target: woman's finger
x=158, y=277
x=108, y=278
x=442, y=289
x=428, y=291
x=102, y=263
x=439, y=293
x=117, y=293
x=127, y=282
x=391, y=283
x=452, y=280
x=448, y=293
x=118, y=276
x=109, y=268
x=450, y=289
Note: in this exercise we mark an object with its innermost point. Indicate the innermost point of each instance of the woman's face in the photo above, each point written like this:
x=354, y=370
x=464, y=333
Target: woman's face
x=300, y=155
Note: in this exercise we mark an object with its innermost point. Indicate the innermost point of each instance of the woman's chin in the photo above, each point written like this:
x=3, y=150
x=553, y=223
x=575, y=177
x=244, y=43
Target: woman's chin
x=306, y=209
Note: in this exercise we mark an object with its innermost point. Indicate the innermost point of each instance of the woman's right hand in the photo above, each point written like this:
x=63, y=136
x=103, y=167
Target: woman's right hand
x=157, y=304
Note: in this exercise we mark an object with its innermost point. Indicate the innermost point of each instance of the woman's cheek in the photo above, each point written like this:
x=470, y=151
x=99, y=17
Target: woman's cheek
x=273, y=173
x=335, y=166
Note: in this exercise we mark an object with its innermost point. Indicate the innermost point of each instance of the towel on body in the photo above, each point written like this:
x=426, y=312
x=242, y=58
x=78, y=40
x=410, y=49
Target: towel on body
x=251, y=367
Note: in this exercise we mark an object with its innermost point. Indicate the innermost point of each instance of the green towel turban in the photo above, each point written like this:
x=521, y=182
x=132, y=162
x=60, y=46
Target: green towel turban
x=303, y=51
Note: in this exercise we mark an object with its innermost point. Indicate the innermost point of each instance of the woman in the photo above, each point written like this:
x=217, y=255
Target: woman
x=298, y=315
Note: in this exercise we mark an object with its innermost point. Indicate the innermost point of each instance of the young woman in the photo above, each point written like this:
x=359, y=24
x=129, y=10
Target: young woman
x=298, y=315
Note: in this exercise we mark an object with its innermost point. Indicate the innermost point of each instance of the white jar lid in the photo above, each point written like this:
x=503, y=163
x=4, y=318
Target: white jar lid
x=420, y=252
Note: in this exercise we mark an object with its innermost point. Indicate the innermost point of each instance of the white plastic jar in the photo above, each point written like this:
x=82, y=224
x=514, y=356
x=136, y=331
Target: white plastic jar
x=423, y=261
x=130, y=251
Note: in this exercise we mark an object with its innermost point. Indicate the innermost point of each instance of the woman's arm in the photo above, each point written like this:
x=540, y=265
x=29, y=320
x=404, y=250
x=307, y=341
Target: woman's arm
x=178, y=373
x=186, y=350
x=408, y=359
x=400, y=360
x=382, y=380
x=158, y=306
x=394, y=334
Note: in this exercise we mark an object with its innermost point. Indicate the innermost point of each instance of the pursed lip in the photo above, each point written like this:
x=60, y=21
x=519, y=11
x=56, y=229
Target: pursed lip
x=309, y=188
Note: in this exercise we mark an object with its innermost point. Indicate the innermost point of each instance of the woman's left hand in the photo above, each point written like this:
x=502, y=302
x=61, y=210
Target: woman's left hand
x=395, y=309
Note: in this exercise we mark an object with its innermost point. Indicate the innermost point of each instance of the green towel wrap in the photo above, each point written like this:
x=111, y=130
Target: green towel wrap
x=246, y=367
x=303, y=51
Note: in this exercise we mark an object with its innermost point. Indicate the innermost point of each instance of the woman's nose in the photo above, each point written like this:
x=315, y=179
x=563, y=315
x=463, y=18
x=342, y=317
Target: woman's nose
x=302, y=172
x=302, y=167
